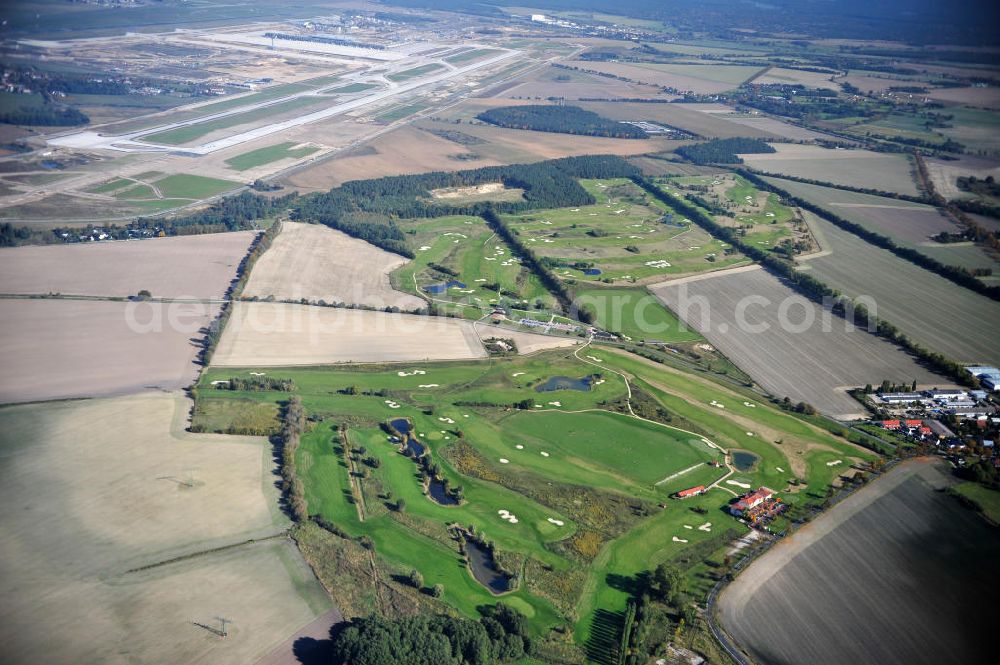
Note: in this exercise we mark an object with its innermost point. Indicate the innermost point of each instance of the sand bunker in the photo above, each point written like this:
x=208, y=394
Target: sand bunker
x=737, y=483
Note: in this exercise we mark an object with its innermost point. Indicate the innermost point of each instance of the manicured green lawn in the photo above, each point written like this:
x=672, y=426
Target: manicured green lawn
x=459, y=403
x=637, y=314
x=186, y=133
x=184, y=185
x=266, y=155
x=414, y=72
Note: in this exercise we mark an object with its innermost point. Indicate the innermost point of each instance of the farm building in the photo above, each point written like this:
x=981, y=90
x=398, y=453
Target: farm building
x=751, y=500
x=989, y=376
x=948, y=395
x=890, y=424
x=900, y=398
x=691, y=491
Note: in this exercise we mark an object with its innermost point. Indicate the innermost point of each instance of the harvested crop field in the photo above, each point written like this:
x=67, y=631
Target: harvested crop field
x=316, y=262
x=907, y=223
x=99, y=488
x=811, y=363
x=526, y=342
x=56, y=349
x=275, y=334
x=923, y=305
x=688, y=117
x=700, y=79
x=886, y=576
x=786, y=76
x=854, y=168
x=980, y=97
x=179, y=267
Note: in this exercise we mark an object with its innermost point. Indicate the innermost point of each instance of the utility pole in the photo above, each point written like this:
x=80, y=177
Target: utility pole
x=224, y=621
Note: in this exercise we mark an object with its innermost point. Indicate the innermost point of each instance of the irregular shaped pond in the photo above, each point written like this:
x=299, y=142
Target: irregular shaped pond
x=744, y=461
x=565, y=383
x=484, y=568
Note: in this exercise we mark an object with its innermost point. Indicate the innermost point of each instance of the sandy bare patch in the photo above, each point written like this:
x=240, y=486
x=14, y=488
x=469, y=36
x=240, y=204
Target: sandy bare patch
x=100, y=487
x=182, y=266
x=53, y=349
x=275, y=334
x=526, y=342
x=315, y=262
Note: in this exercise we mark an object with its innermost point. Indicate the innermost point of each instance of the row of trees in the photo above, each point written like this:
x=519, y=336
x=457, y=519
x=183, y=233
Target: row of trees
x=811, y=287
x=500, y=636
x=257, y=384
x=293, y=422
x=46, y=114
x=723, y=151
x=560, y=119
x=956, y=274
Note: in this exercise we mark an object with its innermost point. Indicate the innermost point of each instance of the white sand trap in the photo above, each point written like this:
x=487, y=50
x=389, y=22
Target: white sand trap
x=555, y=403
x=835, y=462
x=503, y=512
x=688, y=526
x=424, y=248
x=446, y=420
x=779, y=469
x=556, y=522
x=543, y=454
x=428, y=385
x=504, y=460
x=413, y=373
x=481, y=279
x=749, y=433
x=678, y=540
x=258, y=373
x=519, y=447
x=516, y=374
x=422, y=434
x=745, y=486
x=596, y=360
x=465, y=415
x=707, y=526
x=219, y=382
x=538, y=406
x=750, y=404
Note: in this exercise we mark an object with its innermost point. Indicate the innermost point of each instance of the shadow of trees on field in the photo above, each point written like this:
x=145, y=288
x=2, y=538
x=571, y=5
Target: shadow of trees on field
x=605, y=634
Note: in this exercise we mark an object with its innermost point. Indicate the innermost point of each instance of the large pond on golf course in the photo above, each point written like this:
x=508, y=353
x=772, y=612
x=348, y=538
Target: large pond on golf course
x=744, y=461
x=554, y=383
x=899, y=573
x=484, y=568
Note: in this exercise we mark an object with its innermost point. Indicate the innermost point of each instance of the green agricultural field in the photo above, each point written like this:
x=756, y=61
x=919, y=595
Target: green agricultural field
x=468, y=56
x=111, y=185
x=188, y=133
x=414, y=72
x=635, y=313
x=582, y=478
x=988, y=500
x=400, y=112
x=625, y=237
x=184, y=185
x=266, y=155
x=351, y=88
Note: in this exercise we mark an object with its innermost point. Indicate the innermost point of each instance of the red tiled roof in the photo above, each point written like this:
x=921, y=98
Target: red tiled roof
x=691, y=491
x=890, y=423
x=914, y=423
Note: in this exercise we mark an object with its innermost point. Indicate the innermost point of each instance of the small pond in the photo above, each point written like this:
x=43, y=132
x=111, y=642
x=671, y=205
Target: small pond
x=402, y=425
x=592, y=271
x=744, y=461
x=565, y=383
x=441, y=288
x=484, y=568
x=440, y=495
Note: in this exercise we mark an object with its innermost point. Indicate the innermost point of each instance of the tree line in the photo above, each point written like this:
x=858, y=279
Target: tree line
x=811, y=287
x=500, y=636
x=560, y=119
x=293, y=423
x=45, y=114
